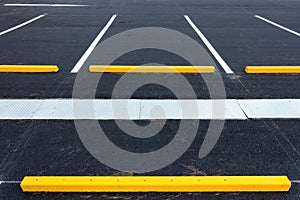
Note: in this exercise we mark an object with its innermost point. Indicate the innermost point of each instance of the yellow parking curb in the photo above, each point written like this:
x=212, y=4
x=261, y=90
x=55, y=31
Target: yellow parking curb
x=152, y=69
x=28, y=68
x=273, y=69
x=155, y=184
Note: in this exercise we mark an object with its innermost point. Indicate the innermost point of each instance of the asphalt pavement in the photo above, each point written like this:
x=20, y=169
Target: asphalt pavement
x=62, y=36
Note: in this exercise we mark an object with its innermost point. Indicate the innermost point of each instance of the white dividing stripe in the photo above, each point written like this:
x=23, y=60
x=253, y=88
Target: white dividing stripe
x=23, y=24
x=209, y=46
x=277, y=25
x=42, y=5
x=191, y=109
x=133, y=109
x=10, y=182
x=93, y=45
x=270, y=108
x=137, y=109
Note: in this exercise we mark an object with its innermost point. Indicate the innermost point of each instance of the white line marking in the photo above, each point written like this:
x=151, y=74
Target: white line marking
x=107, y=109
x=23, y=24
x=278, y=25
x=137, y=109
x=295, y=181
x=43, y=5
x=10, y=182
x=93, y=45
x=209, y=46
x=270, y=108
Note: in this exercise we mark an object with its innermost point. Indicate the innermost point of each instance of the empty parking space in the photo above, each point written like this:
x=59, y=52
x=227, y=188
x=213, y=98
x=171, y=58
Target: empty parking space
x=253, y=150
x=51, y=44
x=247, y=37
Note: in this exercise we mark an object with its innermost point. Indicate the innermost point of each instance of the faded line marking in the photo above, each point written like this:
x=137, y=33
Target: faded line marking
x=295, y=181
x=10, y=182
x=43, y=5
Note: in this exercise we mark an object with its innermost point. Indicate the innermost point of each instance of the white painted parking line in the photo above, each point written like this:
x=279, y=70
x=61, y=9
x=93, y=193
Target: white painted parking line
x=295, y=181
x=42, y=5
x=10, y=182
x=268, y=108
x=138, y=109
x=191, y=109
x=209, y=46
x=93, y=45
x=133, y=109
x=277, y=25
x=23, y=24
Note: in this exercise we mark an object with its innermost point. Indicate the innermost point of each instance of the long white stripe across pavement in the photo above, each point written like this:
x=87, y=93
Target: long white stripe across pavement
x=138, y=109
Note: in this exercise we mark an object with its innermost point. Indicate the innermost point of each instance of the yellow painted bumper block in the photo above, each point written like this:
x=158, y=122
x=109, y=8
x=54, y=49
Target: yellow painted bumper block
x=28, y=68
x=155, y=184
x=151, y=69
x=273, y=69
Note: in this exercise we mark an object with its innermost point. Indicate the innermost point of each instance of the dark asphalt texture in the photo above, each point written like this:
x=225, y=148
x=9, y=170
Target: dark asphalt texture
x=52, y=147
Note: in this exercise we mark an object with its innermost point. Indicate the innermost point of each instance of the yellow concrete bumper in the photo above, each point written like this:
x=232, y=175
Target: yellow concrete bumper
x=28, y=68
x=152, y=69
x=155, y=184
x=273, y=69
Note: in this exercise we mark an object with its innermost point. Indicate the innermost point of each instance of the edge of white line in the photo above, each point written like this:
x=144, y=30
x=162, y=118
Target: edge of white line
x=209, y=46
x=43, y=5
x=295, y=181
x=277, y=25
x=23, y=24
x=87, y=53
x=10, y=182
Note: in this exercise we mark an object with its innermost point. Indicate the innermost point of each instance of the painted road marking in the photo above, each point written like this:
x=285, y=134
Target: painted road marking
x=93, y=45
x=209, y=46
x=10, y=182
x=155, y=183
x=273, y=69
x=42, y=5
x=141, y=109
x=152, y=69
x=107, y=109
x=23, y=24
x=277, y=25
x=28, y=68
x=268, y=108
x=295, y=181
